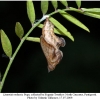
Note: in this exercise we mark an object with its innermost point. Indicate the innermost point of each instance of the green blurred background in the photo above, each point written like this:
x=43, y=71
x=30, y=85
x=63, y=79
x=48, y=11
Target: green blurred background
x=79, y=70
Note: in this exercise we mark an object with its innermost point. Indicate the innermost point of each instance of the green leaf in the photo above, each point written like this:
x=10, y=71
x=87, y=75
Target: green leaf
x=73, y=20
x=33, y=39
x=97, y=13
x=30, y=11
x=40, y=25
x=64, y=2
x=6, y=44
x=44, y=7
x=78, y=2
x=61, y=28
x=57, y=24
x=19, y=30
x=91, y=9
x=55, y=4
x=94, y=15
x=92, y=12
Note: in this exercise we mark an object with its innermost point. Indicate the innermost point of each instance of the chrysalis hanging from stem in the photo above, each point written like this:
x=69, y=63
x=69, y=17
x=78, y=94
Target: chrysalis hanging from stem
x=50, y=44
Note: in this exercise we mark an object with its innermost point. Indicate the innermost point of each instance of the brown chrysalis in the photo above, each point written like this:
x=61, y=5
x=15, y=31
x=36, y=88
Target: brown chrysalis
x=50, y=44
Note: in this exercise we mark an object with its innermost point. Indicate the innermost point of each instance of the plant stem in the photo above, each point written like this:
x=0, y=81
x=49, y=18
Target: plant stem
x=9, y=65
x=15, y=53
